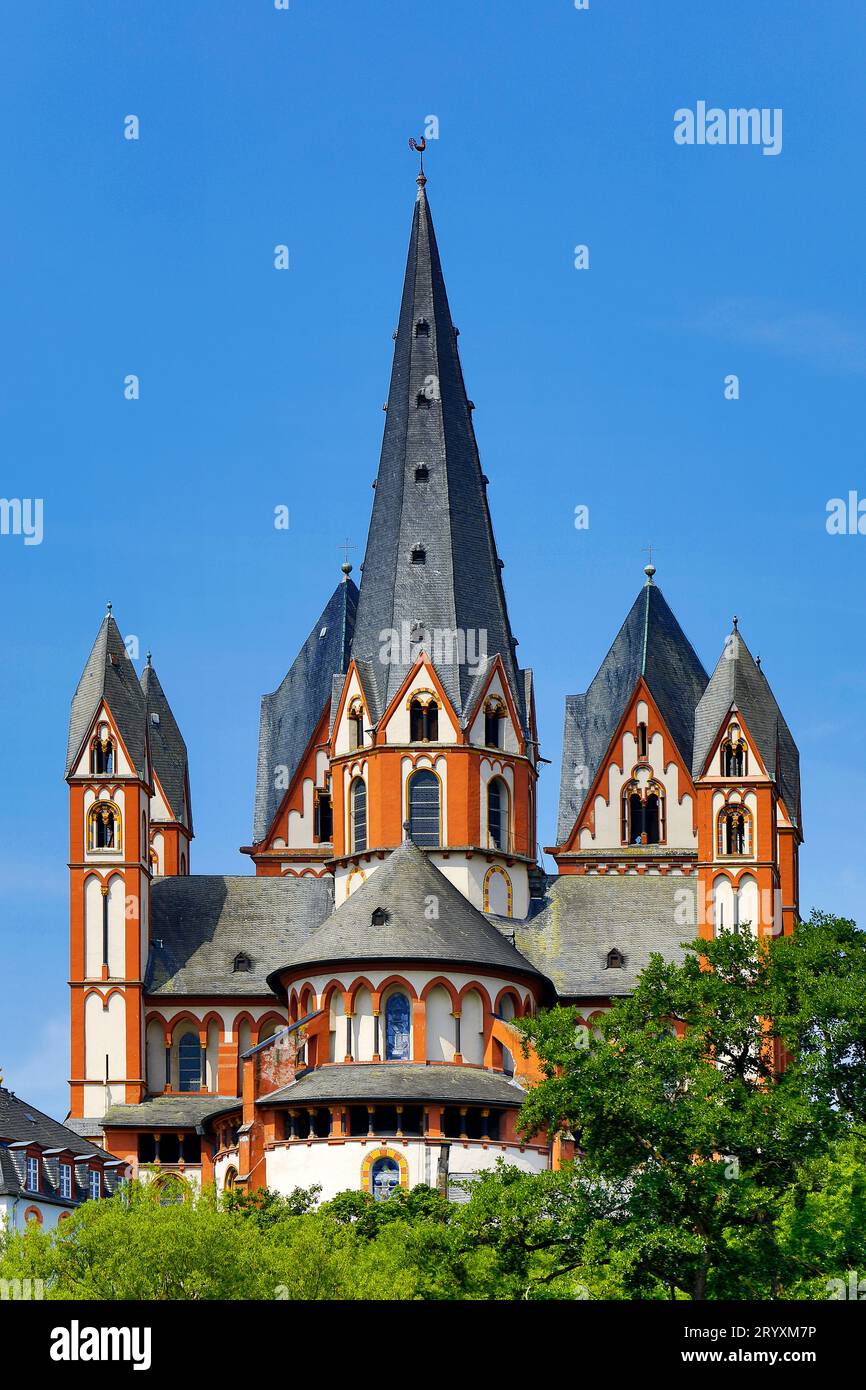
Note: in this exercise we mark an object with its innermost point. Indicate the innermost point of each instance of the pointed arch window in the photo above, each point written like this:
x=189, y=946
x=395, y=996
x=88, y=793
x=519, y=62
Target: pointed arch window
x=356, y=724
x=497, y=814
x=424, y=809
x=102, y=759
x=735, y=754
x=104, y=826
x=358, y=812
x=423, y=720
x=643, y=819
x=397, y=1024
x=735, y=831
x=494, y=714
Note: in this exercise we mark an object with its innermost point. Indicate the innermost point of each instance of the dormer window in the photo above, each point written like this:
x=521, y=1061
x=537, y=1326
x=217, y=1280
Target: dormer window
x=615, y=960
x=422, y=329
x=641, y=740
x=422, y=401
x=379, y=917
x=242, y=964
x=423, y=720
x=419, y=555
x=422, y=473
x=33, y=1174
x=102, y=753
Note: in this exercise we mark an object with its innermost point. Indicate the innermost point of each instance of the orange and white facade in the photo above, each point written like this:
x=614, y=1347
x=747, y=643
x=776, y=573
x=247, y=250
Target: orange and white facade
x=343, y=1015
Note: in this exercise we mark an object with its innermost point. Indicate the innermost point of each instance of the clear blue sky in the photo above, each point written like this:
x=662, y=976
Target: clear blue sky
x=259, y=387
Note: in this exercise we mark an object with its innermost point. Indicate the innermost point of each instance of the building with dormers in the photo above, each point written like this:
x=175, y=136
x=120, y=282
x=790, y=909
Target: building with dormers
x=344, y=1015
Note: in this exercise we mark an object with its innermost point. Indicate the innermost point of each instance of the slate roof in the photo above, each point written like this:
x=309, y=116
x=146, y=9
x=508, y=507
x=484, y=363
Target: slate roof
x=399, y=1081
x=738, y=681
x=20, y=1121
x=587, y=915
x=169, y=1112
x=460, y=585
x=289, y=716
x=204, y=921
x=167, y=748
x=404, y=885
x=651, y=644
x=109, y=675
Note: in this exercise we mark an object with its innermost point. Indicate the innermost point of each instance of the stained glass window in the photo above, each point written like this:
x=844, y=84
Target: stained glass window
x=424, y=809
x=384, y=1177
x=397, y=1028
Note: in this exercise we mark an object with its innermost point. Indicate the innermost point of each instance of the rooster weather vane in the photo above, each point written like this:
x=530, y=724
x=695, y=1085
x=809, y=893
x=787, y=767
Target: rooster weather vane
x=420, y=146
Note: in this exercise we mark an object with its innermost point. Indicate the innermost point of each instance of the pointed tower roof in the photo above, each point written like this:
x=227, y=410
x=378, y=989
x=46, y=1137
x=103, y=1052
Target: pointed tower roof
x=109, y=675
x=289, y=716
x=167, y=747
x=402, y=889
x=738, y=682
x=650, y=644
x=430, y=498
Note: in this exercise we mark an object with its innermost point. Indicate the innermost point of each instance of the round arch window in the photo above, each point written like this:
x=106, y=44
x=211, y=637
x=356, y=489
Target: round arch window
x=397, y=1024
x=384, y=1178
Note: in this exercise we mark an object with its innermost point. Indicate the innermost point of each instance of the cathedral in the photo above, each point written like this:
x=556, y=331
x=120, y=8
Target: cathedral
x=341, y=1014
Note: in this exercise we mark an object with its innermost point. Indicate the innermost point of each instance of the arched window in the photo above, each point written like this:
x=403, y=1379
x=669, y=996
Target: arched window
x=497, y=813
x=231, y=1177
x=102, y=754
x=424, y=818
x=735, y=754
x=104, y=826
x=423, y=721
x=358, y=805
x=356, y=725
x=735, y=831
x=189, y=1063
x=641, y=740
x=643, y=817
x=493, y=716
x=384, y=1178
x=397, y=1024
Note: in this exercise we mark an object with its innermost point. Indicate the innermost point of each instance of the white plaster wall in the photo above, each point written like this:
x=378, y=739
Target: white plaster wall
x=337, y=1167
x=104, y=1033
x=397, y=729
x=341, y=733
x=681, y=833
x=472, y=1027
x=440, y=1026
x=301, y=822
x=155, y=1056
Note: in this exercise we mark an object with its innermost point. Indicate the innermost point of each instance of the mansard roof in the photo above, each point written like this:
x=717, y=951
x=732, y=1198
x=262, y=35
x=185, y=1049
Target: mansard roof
x=408, y=886
x=396, y=1081
x=109, y=675
x=201, y=923
x=585, y=916
x=650, y=644
x=459, y=585
x=23, y=1123
x=738, y=682
x=167, y=748
x=289, y=716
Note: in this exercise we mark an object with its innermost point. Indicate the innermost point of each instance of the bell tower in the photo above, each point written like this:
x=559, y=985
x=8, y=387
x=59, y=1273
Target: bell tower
x=108, y=772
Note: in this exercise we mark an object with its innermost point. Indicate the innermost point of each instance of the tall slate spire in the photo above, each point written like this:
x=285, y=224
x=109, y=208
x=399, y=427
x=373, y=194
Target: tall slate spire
x=431, y=500
x=109, y=675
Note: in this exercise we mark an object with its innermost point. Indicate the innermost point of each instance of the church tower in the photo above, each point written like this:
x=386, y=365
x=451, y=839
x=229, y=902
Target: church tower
x=110, y=779
x=747, y=777
x=432, y=727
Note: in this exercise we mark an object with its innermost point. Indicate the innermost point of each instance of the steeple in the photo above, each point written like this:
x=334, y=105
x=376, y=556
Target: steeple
x=652, y=645
x=431, y=561
x=737, y=682
x=109, y=675
x=167, y=748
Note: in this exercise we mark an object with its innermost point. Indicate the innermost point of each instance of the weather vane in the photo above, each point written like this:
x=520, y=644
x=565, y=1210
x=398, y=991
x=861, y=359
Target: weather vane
x=420, y=146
